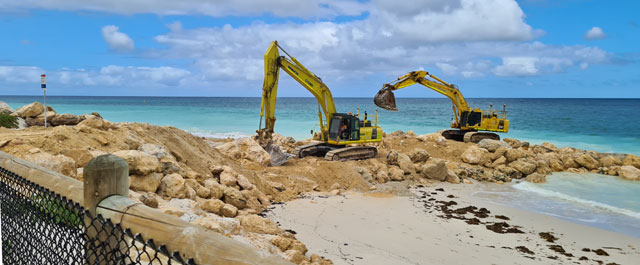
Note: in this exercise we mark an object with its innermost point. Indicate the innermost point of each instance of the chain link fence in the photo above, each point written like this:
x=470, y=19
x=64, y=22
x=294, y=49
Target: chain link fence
x=41, y=227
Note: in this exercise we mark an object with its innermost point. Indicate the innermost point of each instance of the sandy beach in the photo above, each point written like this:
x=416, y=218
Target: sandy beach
x=380, y=228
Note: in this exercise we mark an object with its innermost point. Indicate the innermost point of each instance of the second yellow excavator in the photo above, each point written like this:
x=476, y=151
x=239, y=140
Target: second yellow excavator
x=340, y=134
x=468, y=122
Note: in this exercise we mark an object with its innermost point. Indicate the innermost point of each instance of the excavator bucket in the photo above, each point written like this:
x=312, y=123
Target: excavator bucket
x=385, y=99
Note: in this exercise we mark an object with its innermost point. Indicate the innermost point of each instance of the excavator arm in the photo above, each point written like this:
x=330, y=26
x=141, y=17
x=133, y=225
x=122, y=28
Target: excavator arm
x=273, y=62
x=385, y=98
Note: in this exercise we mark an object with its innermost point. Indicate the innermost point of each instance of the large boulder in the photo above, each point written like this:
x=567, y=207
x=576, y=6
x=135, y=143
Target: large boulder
x=235, y=198
x=154, y=150
x=246, y=148
x=216, y=191
x=392, y=157
x=514, y=143
x=524, y=166
x=227, y=178
x=95, y=122
x=210, y=223
x=419, y=155
x=492, y=145
x=59, y=163
x=65, y=119
x=395, y=174
x=404, y=162
x=31, y=110
x=80, y=156
x=148, y=183
x=213, y=206
x=475, y=155
x=140, y=163
x=435, y=170
x=632, y=160
x=609, y=161
x=256, y=224
x=173, y=186
x=5, y=108
x=629, y=172
x=514, y=154
x=587, y=161
x=244, y=182
x=536, y=178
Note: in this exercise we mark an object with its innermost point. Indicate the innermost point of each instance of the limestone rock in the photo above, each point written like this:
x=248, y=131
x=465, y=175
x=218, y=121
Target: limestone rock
x=228, y=179
x=173, y=186
x=514, y=154
x=404, y=162
x=419, y=155
x=203, y=192
x=543, y=168
x=281, y=242
x=210, y=223
x=474, y=155
x=395, y=173
x=65, y=119
x=632, y=160
x=568, y=161
x=587, y=161
x=234, y=197
x=452, y=177
x=244, y=182
x=229, y=210
x=500, y=161
x=524, y=166
x=492, y=145
x=629, y=172
x=392, y=158
x=149, y=199
x=139, y=163
x=80, y=156
x=96, y=123
x=216, y=190
x=499, y=152
x=256, y=224
x=213, y=206
x=435, y=170
x=154, y=150
x=509, y=172
x=514, y=143
x=556, y=165
x=148, y=183
x=536, y=178
x=59, y=163
x=609, y=161
x=5, y=108
x=295, y=256
x=246, y=148
x=30, y=110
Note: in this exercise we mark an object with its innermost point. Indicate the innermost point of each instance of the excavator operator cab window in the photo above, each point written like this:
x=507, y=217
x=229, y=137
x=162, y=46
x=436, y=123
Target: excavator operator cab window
x=344, y=128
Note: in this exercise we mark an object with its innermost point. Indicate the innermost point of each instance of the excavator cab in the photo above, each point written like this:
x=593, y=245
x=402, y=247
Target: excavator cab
x=344, y=127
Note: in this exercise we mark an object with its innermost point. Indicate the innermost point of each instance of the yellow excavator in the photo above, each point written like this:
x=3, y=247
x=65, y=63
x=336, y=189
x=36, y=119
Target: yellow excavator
x=468, y=122
x=341, y=134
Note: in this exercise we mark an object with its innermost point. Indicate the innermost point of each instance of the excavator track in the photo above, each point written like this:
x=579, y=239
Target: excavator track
x=313, y=149
x=468, y=136
x=476, y=137
x=351, y=153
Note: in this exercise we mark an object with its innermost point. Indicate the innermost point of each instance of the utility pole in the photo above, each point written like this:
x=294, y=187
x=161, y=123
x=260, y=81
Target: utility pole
x=43, y=85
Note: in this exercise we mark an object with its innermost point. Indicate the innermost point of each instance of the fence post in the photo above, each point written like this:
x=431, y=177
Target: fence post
x=104, y=176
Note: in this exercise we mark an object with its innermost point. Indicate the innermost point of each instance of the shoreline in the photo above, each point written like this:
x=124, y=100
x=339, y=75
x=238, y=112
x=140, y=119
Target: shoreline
x=358, y=228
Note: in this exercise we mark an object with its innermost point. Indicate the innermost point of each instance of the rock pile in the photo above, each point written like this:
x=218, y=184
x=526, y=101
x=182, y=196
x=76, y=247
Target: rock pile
x=34, y=114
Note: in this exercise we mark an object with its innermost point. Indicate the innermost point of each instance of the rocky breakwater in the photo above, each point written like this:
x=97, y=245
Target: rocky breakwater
x=34, y=115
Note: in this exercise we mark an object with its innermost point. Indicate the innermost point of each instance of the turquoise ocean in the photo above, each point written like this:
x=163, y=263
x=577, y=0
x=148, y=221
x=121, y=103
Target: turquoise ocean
x=603, y=125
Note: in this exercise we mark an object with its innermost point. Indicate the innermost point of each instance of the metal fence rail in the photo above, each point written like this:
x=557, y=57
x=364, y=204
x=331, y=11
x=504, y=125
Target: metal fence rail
x=41, y=227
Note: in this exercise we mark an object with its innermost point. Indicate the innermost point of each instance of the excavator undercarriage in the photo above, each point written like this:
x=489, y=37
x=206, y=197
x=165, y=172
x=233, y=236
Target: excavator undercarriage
x=336, y=152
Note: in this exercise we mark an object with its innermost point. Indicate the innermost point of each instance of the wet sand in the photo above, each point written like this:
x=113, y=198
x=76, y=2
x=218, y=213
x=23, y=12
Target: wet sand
x=444, y=225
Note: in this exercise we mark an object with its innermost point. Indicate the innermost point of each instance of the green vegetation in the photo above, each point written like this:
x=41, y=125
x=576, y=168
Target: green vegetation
x=56, y=212
x=8, y=121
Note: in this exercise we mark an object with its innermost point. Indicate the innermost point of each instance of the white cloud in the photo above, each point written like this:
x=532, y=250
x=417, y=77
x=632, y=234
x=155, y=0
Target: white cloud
x=117, y=40
x=107, y=76
x=216, y=8
x=595, y=33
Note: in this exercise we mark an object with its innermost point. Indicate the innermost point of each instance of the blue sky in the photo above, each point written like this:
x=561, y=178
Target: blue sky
x=497, y=48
